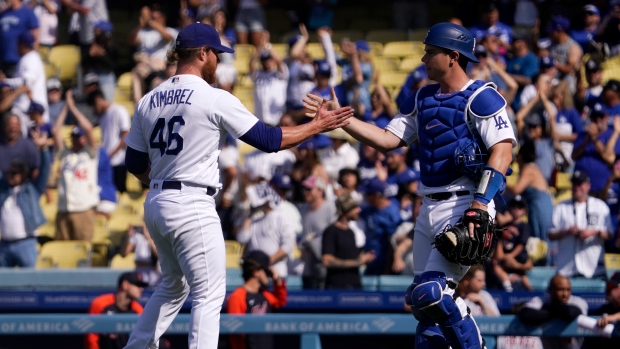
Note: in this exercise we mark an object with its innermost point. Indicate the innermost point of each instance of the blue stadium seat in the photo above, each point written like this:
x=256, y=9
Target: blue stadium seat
x=491, y=342
x=539, y=283
x=370, y=283
x=232, y=282
x=293, y=282
x=233, y=272
x=394, y=282
x=587, y=285
x=542, y=272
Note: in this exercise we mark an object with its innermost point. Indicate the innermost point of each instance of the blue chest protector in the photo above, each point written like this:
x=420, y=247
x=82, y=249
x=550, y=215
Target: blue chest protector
x=442, y=125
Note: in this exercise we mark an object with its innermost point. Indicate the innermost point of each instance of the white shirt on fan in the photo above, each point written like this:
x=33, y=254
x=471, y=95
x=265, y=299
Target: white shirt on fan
x=182, y=125
x=77, y=185
x=114, y=121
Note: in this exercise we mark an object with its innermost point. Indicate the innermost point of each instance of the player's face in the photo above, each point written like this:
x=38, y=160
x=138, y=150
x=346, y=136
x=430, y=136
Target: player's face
x=436, y=61
x=209, y=67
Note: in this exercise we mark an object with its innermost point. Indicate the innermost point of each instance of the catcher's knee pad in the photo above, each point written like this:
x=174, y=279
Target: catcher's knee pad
x=429, y=336
x=423, y=281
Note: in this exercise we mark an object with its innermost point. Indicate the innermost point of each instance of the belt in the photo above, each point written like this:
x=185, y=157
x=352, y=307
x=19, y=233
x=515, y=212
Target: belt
x=176, y=185
x=447, y=195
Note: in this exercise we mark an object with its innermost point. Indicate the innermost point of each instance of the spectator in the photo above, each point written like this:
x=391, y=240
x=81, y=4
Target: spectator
x=541, y=85
x=29, y=72
x=54, y=99
x=382, y=110
x=226, y=73
x=381, y=217
x=89, y=83
x=510, y=260
x=609, y=313
x=252, y=298
x=259, y=166
x=558, y=304
x=47, y=14
x=102, y=57
x=608, y=30
x=14, y=146
x=596, y=148
x=341, y=256
x=610, y=194
x=522, y=66
x=399, y=174
x=581, y=225
x=78, y=193
x=611, y=98
x=107, y=189
x=415, y=81
x=20, y=211
x=490, y=24
x=152, y=38
x=357, y=73
x=301, y=74
x=309, y=164
x=35, y=113
x=533, y=126
x=282, y=185
x=228, y=162
x=16, y=20
x=270, y=84
x=585, y=36
x=123, y=301
x=323, y=75
x=316, y=215
x=250, y=18
x=568, y=126
x=348, y=181
x=139, y=242
x=566, y=52
x=340, y=155
x=87, y=14
x=590, y=94
x=371, y=164
x=403, y=252
x=471, y=289
x=114, y=121
x=8, y=95
x=266, y=228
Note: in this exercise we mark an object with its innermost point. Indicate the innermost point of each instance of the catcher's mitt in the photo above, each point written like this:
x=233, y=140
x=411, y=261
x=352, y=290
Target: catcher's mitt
x=455, y=244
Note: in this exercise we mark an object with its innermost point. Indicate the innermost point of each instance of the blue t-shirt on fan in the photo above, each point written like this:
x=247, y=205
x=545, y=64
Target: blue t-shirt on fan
x=12, y=24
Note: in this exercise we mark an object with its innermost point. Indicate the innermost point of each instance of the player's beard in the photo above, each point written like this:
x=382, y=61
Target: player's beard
x=208, y=71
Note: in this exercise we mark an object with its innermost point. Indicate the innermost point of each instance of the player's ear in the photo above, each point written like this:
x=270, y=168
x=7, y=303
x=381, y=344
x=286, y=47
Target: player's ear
x=454, y=57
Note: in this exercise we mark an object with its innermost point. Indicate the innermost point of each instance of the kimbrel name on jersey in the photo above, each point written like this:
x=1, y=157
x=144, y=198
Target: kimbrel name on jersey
x=168, y=97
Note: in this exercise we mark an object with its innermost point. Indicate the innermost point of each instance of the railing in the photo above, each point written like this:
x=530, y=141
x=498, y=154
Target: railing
x=309, y=326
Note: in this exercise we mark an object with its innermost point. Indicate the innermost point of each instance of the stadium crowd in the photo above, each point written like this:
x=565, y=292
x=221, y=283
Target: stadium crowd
x=329, y=209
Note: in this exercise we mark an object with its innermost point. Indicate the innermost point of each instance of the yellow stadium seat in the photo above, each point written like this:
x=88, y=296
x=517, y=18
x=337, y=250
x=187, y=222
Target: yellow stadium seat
x=120, y=262
x=128, y=105
x=245, y=81
x=44, y=52
x=48, y=229
x=244, y=50
x=376, y=48
x=280, y=49
x=401, y=49
x=234, y=251
x=315, y=50
x=393, y=79
x=612, y=260
x=67, y=59
x=409, y=63
x=385, y=64
x=124, y=87
x=50, y=70
x=386, y=35
x=64, y=254
x=536, y=249
x=562, y=181
x=242, y=64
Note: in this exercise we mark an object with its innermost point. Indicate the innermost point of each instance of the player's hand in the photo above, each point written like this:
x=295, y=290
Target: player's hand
x=471, y=226
x=312, y=102
x=331, y=120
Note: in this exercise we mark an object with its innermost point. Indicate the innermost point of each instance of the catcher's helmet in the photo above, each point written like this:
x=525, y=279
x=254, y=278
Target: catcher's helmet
x=452, y=37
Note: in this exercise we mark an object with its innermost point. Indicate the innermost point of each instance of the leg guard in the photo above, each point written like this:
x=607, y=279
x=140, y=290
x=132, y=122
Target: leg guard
x=429, y=336
x=428, y=297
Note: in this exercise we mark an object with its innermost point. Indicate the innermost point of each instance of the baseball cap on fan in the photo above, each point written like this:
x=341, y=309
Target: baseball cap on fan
x=133, y=278
x=198, y=35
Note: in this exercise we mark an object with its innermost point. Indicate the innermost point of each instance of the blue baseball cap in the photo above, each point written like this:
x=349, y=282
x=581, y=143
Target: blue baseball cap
x=591, y=9
x=375, y=186
x=362, y=45
x=36, y=108
x=26, y=38
x=198, y=35
x=104, y=25
x=418, y=75
x=397, y=151
x=559, y=23
x=77, y=131
x=323, y=68
x=281, y=181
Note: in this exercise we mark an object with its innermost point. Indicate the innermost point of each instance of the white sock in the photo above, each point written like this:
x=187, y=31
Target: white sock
x=507, y=286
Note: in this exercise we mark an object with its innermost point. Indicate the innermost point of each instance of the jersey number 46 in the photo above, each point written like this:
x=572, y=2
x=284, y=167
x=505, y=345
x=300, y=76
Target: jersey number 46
x=173, y=144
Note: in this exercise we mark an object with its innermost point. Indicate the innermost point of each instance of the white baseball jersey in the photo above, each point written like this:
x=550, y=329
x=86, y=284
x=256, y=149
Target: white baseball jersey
x=260, y=164
x=270, y=94
x=581, y=256
x=182, y=124
x=405, y=127
x=114, y=121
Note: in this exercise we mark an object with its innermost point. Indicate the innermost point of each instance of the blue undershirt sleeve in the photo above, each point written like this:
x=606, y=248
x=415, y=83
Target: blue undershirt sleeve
x=136, y=162
x=263, y=137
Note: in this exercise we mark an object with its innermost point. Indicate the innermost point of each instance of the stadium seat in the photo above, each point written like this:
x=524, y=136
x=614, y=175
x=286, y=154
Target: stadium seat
x=376, y=48
x=232, y=282
x=48, y=229
x=280, y=49
x=394, y=282
x=410, y=63
x=393, y=79
x=234, y=272
x=562, y=181
x=587, y=285
x=539, y=284
x=294, y=282
x=401, y=49
x=123, y=87
x=542, y=272
x=120, y=262
x=386, y=35
x=244, y=50
x=64, y=254
x=537, y=250
x=370, y=283
x=315, y=50
x=67, y=59
x=612, y=260
x=234, y=252
x=385, y=64
x=50, y=70
x=242, y=64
